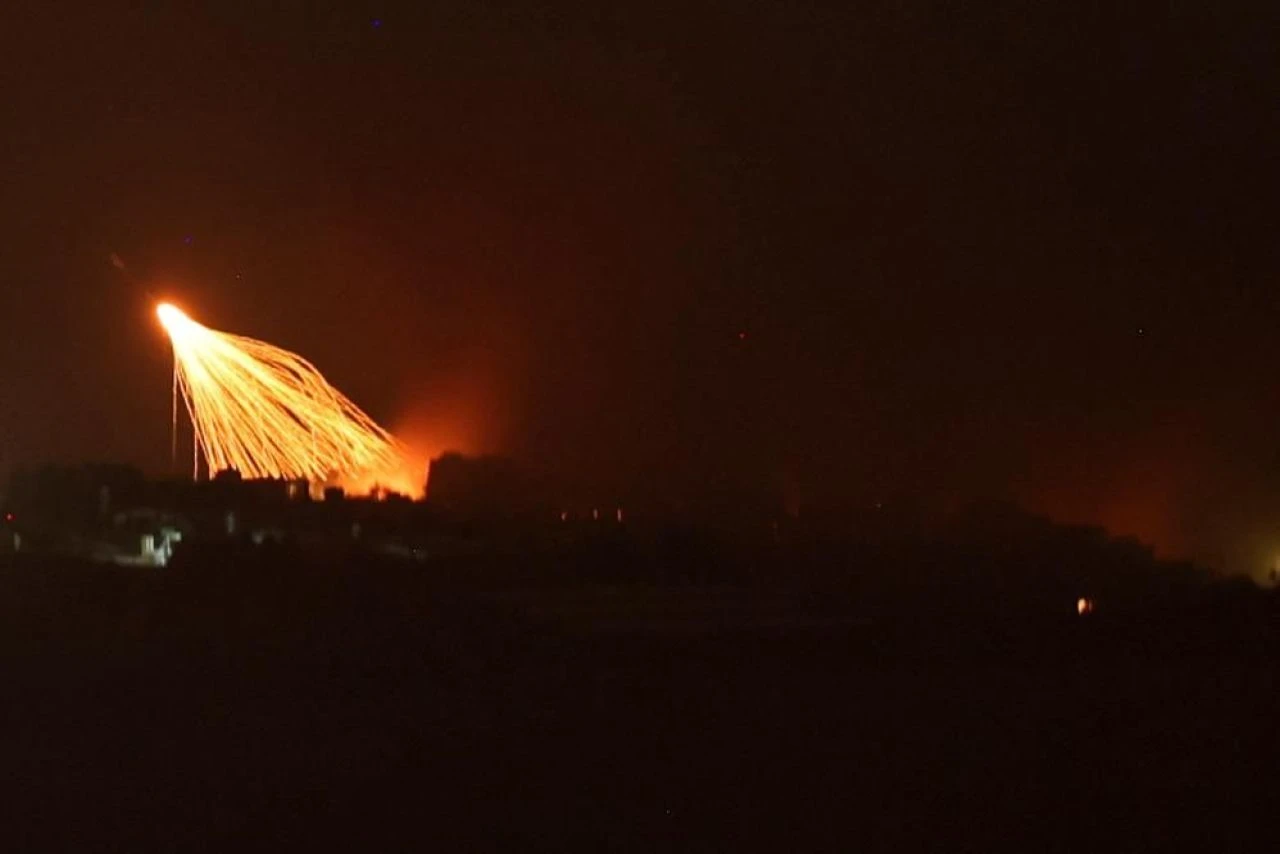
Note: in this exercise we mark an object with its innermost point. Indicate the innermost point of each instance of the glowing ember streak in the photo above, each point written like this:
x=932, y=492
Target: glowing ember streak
x=269, y=413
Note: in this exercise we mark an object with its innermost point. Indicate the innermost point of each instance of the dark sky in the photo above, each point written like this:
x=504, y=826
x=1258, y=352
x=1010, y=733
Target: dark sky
x=1006, y=249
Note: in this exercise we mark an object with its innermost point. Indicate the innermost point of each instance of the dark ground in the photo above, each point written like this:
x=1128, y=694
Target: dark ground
x=369, y=708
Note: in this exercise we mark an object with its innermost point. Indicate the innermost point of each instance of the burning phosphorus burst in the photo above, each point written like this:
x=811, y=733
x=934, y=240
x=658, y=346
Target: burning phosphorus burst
x=266, y=412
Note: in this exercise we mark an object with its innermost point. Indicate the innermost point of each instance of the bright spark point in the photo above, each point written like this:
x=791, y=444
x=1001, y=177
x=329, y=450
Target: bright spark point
x=269, y=413
x=170, y=316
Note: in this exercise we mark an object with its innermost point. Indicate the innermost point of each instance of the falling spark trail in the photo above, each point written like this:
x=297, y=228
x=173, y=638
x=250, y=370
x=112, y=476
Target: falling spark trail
x=173, y=427
x=269, y=413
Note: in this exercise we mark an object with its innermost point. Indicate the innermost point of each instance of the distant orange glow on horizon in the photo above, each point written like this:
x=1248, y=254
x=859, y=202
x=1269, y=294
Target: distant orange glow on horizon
x=422, y=438
x=1146, y=514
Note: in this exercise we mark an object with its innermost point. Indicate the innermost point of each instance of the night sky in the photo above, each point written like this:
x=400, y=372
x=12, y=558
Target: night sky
x=897, y=248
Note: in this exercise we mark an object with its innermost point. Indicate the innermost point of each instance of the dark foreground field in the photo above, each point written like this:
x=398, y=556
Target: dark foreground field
x=370, y=707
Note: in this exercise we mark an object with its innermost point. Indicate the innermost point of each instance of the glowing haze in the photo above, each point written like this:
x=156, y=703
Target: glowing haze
x=269, y=413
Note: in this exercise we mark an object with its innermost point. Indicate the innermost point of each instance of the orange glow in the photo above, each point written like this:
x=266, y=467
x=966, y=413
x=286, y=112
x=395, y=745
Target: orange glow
x=427, y=436
x=269, y=413
x=1139, y=483
x=408, y=479
x=1084, y=606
